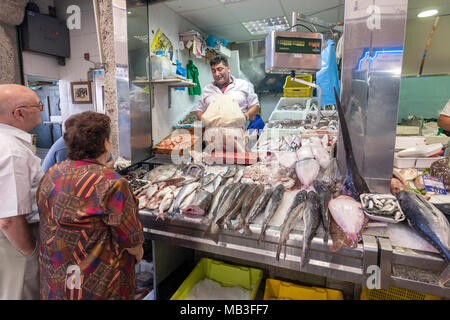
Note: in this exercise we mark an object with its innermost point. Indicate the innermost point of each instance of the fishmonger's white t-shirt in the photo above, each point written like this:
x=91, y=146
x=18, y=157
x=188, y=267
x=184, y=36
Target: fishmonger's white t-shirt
x=20, y=174
x=446, y=110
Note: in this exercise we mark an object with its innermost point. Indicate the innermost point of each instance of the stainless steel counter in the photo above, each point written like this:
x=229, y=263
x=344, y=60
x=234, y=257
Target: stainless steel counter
x=400, y=267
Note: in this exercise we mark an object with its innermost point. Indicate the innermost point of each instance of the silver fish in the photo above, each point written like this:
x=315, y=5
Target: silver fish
x=161, y=173
x=231, y=171
x=311, y=220
x=236, y=208
x=238, y=175
x=165, y=204
x=206, y=180
x=272, y=207
x=257, y=209
x=199, y=205
x=217, y=197
x=225, y=205
x=256, y=190
x=294, y=212
x=184, y=192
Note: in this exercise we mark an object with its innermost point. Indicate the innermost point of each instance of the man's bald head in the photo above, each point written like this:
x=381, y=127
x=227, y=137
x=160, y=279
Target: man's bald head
x=19, y=107
x=14, y=95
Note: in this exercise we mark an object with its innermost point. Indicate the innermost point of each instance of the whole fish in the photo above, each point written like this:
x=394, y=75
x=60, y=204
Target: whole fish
x=238, y=175
x=348, y=215
x=236, y=208
x=353, y=184
x=161, y=173
x=217, y=197
x=321, y=155
x=206, y=180
x=165, y=204
x=294, y=212
x=307, y=171
x=311, y=219
x=272, y=207
x=213, y=229
x=193, y=170
x=217, y=181
x=256, y=190
x=185, y=191
x=231, y=171
x=330, y=175
x=427, y=220
x=199, y=205
x=257, y=209
x=325, y=196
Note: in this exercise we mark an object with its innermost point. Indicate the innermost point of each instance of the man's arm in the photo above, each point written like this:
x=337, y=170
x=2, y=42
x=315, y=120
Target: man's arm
x=18, y=232
x=444, y=122
x=199, y=115
x=252, y=111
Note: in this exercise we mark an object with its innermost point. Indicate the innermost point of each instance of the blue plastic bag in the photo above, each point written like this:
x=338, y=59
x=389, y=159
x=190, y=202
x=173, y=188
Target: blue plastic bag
x=182, y=72
x=327, y=77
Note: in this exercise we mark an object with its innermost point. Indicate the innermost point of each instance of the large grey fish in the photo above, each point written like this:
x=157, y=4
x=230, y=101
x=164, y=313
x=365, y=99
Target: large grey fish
x=217, y=197
x=236, y=208
x=199, y=205
x=206, y=180
x=256, y=190
x=272, y=207
x=311, y=219
x=330, y=175
x=161, y=173
x=257, y=209
x=353, y=184
x=427, y=220
x=212, y=231
x=185, y=191
x=294, y=212
x=325, y=196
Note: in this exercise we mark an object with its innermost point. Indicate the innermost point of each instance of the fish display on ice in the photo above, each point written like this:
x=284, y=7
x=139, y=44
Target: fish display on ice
x=295, y=212
x=311, y=218
x=161, y=173
x=271, y=208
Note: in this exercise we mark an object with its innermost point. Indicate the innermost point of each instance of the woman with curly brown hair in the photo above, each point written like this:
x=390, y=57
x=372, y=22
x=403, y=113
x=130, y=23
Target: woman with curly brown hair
x=91, y=237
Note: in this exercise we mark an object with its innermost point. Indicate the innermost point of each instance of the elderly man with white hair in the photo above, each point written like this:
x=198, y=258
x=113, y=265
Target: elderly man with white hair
x=20, y=174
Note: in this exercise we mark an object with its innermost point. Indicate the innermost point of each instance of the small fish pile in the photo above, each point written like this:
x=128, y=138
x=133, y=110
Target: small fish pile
x=293, y=142
x=270, y=174
x=382, y=207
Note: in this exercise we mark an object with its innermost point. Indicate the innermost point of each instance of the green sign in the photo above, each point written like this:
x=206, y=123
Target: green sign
x=298, y=45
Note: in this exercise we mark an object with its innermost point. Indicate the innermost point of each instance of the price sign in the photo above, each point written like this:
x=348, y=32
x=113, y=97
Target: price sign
x=433, y=184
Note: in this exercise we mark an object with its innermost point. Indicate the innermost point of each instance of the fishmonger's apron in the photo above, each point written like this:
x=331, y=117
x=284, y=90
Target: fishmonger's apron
x=225, y=124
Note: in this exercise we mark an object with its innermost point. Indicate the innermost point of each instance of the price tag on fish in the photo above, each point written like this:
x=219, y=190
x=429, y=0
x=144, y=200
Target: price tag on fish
x=433, y=184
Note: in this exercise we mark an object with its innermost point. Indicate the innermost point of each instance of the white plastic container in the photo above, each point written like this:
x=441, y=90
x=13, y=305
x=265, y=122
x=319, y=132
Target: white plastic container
x=419, y=163
x=161, y=67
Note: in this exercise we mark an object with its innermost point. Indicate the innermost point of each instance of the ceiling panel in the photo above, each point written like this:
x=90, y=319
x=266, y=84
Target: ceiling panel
x=233, y=32
x=188, y=5
x=309, y=6
x=204, y=18
x=255, y=9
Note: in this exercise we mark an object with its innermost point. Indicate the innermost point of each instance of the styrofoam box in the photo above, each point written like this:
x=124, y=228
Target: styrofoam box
x=437, y=139
x=419, y=163
x=402, y=142
x=290, y=101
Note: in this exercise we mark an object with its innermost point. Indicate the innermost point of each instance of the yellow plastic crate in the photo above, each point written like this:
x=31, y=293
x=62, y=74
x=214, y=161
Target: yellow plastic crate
x=395, y=294
x=294, y=89
x=276, y=289
x=227, y=275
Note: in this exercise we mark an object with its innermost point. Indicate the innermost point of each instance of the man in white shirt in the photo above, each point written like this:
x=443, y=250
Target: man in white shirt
x=231, y=96
x=444, y=118
x=20, y=174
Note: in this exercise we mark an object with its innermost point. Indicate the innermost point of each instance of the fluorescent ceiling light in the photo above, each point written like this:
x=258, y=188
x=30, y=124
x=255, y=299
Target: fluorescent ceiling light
x=228, y=1
x=264, y=26
x=427, y=13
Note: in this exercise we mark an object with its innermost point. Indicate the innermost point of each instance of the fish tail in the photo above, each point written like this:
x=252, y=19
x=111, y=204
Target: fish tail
x=212, y=232
x=325, y=237
x=247, y=230
x=261, y=235
x=304, y=254
x=444, y=277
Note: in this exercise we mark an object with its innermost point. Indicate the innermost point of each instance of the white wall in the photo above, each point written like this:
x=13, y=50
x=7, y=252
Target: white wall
x=76, y=68
x=163, y=118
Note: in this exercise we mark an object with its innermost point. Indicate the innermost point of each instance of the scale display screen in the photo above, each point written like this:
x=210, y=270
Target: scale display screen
x=298, y=45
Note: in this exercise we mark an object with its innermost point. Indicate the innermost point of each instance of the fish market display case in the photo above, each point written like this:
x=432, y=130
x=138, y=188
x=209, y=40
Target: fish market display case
x=409, y=268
